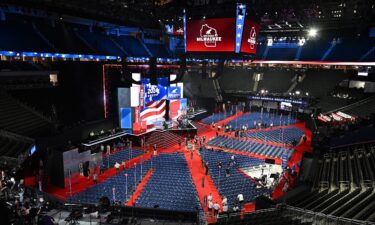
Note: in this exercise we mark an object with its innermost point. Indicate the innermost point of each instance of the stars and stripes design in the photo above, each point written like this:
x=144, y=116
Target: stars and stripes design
x=153, y=111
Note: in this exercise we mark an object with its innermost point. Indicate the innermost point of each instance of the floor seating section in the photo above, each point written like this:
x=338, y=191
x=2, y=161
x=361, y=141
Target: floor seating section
x=343, y=185
x=250, y=147
x=120, y=156
x=170, y=186
x=264, y=118
x=216, y=117
x=237, y=182
x=163, y=139
x=285, y=135
x=124, y=188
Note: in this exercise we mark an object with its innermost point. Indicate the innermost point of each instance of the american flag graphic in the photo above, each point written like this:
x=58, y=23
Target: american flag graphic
x=153, y=112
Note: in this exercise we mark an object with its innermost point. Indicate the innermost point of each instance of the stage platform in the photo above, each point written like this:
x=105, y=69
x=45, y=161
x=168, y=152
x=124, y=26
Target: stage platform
x=130, y=133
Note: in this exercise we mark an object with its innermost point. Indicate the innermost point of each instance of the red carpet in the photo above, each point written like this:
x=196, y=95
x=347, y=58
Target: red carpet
x=197, y=171
x=139, y=189
x=296, y=157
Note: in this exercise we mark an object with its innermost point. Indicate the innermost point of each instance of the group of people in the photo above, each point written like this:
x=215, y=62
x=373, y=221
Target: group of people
x=19, y=205
x=215, y=206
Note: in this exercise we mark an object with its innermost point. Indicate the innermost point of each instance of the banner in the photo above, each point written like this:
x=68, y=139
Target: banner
x=183, y=104
x=250, y=37
x=125, y=118
x=211, y=35
x=154, y=93
x=174, y=93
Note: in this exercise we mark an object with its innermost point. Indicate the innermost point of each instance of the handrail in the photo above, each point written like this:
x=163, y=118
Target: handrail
x=304, y=213
x=316, y=216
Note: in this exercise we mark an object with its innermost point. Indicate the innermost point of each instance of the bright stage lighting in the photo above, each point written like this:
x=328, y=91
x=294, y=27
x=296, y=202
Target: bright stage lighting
x=313, y=32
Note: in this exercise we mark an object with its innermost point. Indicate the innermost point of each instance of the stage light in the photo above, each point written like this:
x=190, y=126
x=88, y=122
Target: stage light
x=298, y=92
x=204, y=17
x=307, y=93
x=312, y=32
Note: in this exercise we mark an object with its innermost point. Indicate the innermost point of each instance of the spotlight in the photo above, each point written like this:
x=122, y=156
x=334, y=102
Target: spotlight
x=307, y=93
x=204, y=17
x=298, y=92
x=312, y=32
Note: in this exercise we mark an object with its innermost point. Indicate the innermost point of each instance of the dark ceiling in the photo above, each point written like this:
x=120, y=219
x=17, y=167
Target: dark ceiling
x=274, y=15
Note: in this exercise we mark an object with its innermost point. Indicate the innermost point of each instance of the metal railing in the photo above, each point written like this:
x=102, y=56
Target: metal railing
x=320, y=218
x=305, y=216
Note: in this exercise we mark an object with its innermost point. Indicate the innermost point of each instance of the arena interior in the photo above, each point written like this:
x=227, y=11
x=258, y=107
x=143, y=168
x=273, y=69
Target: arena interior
x=187, y=112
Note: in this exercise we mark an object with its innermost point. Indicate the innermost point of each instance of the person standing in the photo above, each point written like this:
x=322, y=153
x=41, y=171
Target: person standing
x=225, y=201
x=206, y=167
x=117, y=167
x=155, y=149
x=95, y=178
x=179, y=143
x=210, y=204
x=209, y=198
x=240, y=199
x=216, y=207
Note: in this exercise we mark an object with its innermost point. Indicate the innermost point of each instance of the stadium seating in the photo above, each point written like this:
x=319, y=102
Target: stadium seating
x=64, y=39
x=314, y=80
x=20, y=119
x=286, y=135
x=345, y=51
x=243, y=82
x=360, y=135
x=13, y=145
x=20, y=36
x=170, y=186
x=131, y=45
x=363, y=109
x=101, y=42
x=264, y=118
x=281, y=54
x=277, y=81
x=343, y=184
x=216, y=117
x=313, y=50
x=236, y=183
x=249, y=146
x=158, y=50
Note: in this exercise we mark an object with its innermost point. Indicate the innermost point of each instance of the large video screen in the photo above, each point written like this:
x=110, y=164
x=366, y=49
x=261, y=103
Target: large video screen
x=210, y=35
x=250, y=37
x=222, y=35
